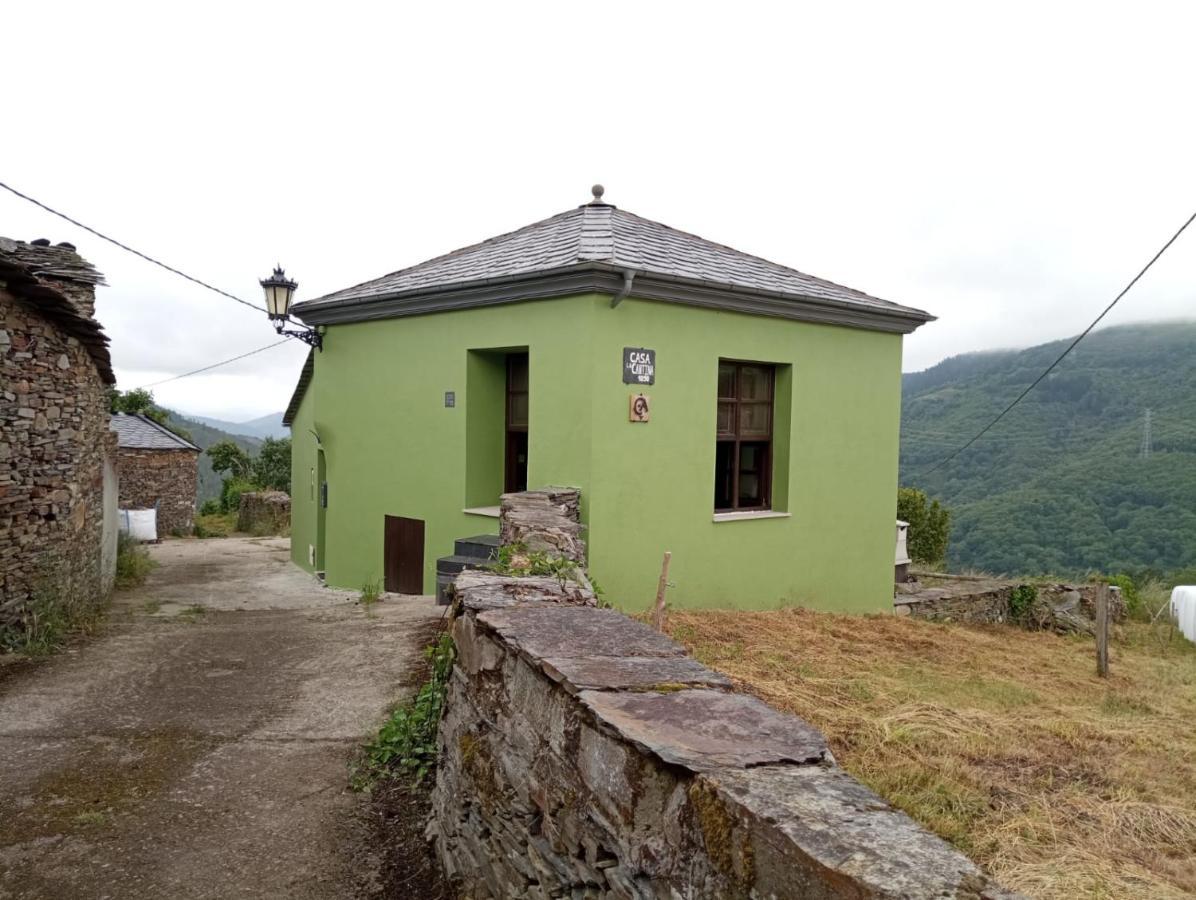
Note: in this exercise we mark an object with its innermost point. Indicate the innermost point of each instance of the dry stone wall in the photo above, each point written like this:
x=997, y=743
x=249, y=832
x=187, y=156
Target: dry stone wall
x=547, y=521
x=585, y=755
x=168, y=479
x=264, y=512
x=54, y=439
x=1066, y=608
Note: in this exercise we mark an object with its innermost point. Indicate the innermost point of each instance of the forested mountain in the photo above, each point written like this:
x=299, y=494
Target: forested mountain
x=261, y=427
x=204, y=436
x=1065, y=483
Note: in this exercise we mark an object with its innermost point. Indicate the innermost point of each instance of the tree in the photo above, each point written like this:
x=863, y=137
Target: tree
x=272, y=468
x=140, y=402
x=929, y=526
x=227, y=457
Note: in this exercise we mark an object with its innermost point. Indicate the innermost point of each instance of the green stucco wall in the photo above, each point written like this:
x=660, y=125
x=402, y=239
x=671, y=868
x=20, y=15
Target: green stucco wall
x=303, y=483
x=391, y=447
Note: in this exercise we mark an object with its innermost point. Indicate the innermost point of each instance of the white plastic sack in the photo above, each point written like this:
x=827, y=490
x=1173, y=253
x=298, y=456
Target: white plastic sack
x=140, y=524
x=1183, y=608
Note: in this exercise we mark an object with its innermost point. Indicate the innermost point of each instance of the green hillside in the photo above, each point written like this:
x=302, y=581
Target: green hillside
x=1061, y=484
x=204, y=436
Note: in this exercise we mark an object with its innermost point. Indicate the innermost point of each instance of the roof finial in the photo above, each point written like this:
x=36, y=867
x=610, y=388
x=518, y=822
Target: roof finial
x=597, y=190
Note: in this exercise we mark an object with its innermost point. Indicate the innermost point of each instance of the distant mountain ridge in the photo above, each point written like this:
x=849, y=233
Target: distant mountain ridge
x=262, y=427
x=1066, y=482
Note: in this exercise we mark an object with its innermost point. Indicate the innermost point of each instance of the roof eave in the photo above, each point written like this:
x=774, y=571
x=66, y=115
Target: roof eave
x=608, y=279
x=297, y=395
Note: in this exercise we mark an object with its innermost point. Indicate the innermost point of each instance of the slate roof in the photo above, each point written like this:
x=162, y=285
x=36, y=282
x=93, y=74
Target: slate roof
x=28, y=271
x=138, y=432
x=607, y=242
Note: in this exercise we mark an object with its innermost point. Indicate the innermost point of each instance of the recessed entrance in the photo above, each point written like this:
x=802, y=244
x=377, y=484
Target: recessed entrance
x=403, y=555
x=517, y=419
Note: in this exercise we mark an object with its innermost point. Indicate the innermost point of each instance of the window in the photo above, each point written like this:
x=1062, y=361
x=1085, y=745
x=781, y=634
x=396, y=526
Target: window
x=517, y=414
x=743, y=449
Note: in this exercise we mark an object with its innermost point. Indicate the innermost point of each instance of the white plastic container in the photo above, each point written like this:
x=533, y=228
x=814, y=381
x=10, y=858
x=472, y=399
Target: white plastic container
x=140, y=524
x=1183, y=608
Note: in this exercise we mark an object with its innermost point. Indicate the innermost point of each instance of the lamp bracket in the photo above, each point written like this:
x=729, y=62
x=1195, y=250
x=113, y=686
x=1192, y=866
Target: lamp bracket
x=304, y=333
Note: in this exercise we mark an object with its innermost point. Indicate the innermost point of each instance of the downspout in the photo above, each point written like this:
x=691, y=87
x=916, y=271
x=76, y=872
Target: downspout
x=628, y=278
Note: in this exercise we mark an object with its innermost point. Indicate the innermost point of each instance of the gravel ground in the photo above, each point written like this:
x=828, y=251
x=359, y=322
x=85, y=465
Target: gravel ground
x=199, y=747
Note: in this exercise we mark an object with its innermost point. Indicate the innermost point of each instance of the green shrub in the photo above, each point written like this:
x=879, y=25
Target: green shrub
x=231, y=491
x=209, y=507
x=405, y=746
x=929, y=526
x=1129, y=591
x=133, y=562
x=1021, y=601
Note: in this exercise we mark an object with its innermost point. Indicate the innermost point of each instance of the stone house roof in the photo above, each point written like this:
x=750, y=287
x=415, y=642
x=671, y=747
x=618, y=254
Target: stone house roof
x=137, y=432
x=599, y=247
x=55, y=280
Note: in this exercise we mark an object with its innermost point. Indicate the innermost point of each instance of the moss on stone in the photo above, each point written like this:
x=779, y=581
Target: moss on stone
x=732, y=858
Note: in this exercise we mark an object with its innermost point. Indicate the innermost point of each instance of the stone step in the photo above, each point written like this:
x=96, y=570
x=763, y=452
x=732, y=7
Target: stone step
x=482, y=546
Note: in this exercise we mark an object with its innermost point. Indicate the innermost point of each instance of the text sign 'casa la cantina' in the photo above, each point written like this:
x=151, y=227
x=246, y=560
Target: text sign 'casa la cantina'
x=639, y=366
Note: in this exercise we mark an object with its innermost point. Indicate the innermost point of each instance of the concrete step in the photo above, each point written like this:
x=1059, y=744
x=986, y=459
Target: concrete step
x=482, y=546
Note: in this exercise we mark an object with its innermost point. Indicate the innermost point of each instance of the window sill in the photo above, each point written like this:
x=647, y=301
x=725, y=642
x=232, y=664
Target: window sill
x=490, y=512
x=750, y=514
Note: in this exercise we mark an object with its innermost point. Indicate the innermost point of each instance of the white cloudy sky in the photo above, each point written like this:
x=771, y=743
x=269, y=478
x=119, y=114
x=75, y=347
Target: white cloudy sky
x=1007, y=167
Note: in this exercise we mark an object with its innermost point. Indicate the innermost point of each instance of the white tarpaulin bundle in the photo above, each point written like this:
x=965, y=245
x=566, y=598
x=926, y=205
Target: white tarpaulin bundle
x=140, y=524
x=1183, y=608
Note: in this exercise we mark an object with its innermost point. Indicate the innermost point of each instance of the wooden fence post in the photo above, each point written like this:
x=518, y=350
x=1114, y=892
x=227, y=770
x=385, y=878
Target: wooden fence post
x=1102, y=630
x=658, y=614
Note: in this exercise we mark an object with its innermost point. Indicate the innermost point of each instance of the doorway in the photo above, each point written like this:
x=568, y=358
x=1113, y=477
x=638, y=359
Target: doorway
x=403, y=555
x=516, y=423
x=321, y=511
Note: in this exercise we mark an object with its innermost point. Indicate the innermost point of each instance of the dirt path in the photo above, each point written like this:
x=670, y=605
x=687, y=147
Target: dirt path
x=199, y=748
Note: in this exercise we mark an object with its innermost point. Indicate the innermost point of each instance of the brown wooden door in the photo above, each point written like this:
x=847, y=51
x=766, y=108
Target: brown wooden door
x=403, y=555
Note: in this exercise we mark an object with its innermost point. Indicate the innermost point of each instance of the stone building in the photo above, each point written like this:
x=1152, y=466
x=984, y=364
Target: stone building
x=157, y=468
x=58, y=517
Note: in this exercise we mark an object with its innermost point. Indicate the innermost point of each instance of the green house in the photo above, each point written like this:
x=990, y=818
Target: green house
x=738, y=413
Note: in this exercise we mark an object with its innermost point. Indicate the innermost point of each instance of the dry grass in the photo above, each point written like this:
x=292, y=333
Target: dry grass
x=1002, y=741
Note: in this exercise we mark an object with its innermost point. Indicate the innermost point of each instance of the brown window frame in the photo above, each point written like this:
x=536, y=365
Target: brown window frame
x=737, y=439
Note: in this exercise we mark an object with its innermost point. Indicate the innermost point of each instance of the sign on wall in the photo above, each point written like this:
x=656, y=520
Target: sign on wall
x=639, y=365
x=638, y=408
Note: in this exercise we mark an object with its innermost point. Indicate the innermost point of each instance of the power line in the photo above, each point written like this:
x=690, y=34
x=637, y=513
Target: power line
x=1061, y=356
x=212, y=366
x=117, y=243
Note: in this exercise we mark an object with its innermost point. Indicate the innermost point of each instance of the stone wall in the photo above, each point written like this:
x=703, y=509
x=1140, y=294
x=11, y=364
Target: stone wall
x=547, y=520
x=583, y=754
x=264, y=512
x=54, y=439
x=986, y=601
x=166, y=478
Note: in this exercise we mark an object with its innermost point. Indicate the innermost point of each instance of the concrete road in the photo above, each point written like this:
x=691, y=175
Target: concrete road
x=199, y=748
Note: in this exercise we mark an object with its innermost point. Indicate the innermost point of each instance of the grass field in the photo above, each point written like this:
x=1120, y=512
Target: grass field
x=1002, y=741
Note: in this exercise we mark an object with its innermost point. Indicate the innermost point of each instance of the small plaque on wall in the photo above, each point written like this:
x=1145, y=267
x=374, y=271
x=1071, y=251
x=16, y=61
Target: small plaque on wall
x=450, y=399
x=639, y=365
x=638, y=408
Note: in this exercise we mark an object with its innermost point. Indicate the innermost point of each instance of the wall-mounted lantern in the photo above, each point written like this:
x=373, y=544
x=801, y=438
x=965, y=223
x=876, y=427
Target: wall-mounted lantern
x=279, y=290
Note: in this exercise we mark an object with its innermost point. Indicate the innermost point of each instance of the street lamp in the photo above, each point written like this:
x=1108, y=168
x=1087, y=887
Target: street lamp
x=279, y=290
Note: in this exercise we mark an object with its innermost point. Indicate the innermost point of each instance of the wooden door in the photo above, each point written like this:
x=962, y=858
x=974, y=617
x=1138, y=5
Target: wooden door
x=403, y=555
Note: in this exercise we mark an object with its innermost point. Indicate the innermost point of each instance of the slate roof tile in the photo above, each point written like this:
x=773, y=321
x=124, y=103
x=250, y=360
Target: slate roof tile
x=601, y=234
x=138, y=432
